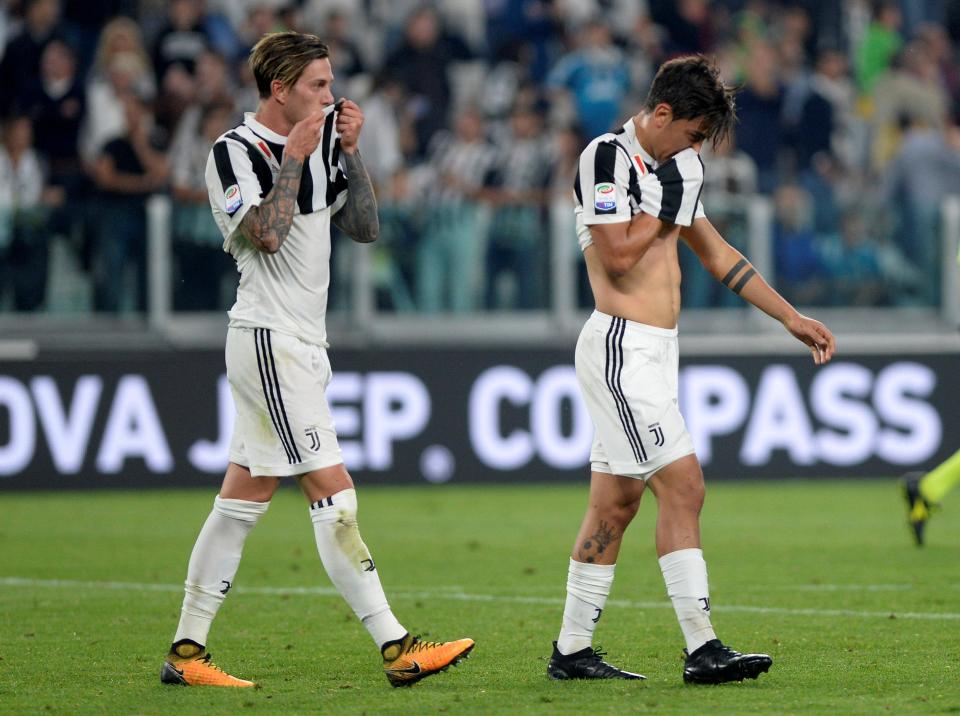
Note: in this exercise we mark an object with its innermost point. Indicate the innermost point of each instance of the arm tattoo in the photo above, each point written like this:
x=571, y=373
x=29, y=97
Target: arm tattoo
x=267, y=225
x=595, y=545
x=358, y=217
x=731, y=274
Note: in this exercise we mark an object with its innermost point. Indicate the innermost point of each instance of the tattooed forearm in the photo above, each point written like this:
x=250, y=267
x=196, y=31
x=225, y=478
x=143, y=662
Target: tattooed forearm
x=358, y=217
x=267, y=225
x=594, y=546
x=744, y=277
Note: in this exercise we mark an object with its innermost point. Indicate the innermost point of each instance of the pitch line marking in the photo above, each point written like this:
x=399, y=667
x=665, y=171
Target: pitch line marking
x=466, y=597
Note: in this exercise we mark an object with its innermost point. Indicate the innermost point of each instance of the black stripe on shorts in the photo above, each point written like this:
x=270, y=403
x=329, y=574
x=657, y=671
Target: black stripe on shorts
x=610, y=375
x=271, y=393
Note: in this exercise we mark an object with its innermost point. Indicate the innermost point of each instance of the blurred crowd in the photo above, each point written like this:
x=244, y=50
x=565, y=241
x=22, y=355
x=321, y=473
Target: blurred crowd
x=476, y=111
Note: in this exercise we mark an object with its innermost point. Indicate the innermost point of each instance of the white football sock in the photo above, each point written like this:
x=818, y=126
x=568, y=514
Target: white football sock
x=213, y=564
x=588, y=586
x=685, y=574
x=350, y=566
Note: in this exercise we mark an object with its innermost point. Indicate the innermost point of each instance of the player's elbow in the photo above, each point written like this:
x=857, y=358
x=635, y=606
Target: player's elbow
x=367, y=234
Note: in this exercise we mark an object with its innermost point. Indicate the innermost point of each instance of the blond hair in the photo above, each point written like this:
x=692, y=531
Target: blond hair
x=284, y=56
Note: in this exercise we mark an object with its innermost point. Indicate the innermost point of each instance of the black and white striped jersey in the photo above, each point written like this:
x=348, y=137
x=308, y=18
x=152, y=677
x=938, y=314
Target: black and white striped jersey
x=285, y=291
x=617, y=178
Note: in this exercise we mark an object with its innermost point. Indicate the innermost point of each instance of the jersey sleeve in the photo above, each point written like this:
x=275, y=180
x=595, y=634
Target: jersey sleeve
x=231, y=185
x=602, y=185
x=672, y=191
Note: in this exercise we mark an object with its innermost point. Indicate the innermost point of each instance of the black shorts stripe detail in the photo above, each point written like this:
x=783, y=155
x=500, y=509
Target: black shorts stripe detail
x=604, y=171
x=268, y=390
x=672, y=182
x=610, y=370
x=743, y=280
x=283, y=412
x=733, y=272
x=259, y=162
x=632, y=423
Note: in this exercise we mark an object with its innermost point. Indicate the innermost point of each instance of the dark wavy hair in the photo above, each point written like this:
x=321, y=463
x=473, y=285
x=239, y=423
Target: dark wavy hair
x=693, y=88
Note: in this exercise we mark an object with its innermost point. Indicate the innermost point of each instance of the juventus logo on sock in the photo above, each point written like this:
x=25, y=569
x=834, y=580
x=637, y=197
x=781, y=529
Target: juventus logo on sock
x=706, y=603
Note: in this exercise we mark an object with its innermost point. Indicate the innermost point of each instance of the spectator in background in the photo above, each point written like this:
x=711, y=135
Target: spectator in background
x=759, y=106
x=800, y=273
x=826, y=118
x=389, y=134
x=879, y=45
x=212, y=87
x=450, y=253
x=261, y=18
x=24, y=201
x=420, y=63
x=121, y=36
x=921, y=175
x=595, y=76
x=202, y=265
x=127, y=171
x=729, y=180
x=909, y=93
x=182, y=40
x=336, y=34
x=523, y=22
x=85, y=20
x=20, y=66
x=56, y=107
x=121, y=65
x=852, y=263
x=518, y=250
x=686, y=24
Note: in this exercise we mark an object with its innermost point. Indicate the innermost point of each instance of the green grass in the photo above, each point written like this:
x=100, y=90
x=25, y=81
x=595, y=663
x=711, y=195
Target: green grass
x=832, y=561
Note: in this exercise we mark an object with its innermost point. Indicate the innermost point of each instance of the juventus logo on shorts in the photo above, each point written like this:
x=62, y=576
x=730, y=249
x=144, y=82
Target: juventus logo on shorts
x=314, y=436
x=657, y=434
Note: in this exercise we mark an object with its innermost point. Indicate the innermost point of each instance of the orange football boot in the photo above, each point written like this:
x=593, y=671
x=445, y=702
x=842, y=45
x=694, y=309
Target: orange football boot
x=190, y=665
x=408, y=660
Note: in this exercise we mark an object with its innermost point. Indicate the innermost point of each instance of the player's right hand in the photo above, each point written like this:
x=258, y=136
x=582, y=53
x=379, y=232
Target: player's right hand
x=305, y=136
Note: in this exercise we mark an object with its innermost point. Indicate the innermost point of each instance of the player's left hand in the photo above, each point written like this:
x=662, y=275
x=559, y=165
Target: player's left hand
x=816, y=335
x=349, y=122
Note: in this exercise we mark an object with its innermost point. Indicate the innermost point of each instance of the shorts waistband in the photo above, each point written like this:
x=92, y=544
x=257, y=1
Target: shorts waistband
x=633, y=326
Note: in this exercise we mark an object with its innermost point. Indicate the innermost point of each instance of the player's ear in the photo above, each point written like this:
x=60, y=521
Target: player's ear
x=279, y=91
x=662, y=115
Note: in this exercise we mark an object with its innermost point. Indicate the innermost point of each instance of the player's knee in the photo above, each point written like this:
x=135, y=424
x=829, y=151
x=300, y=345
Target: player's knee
x=340, y=507
x=618, y=512
x=248, y=511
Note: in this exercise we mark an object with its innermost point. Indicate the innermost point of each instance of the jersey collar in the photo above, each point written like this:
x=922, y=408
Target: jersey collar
x=262, y=130
x=641, y=159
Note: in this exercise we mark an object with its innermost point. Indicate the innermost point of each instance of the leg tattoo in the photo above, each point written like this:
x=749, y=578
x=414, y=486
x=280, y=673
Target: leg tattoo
x=594, y=545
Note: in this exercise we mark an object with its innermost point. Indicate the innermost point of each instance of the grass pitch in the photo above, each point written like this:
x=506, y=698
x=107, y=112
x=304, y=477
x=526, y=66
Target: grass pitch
x=821, y=575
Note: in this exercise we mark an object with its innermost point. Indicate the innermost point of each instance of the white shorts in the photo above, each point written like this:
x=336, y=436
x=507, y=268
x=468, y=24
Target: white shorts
x=283, y=426
x=628, y=375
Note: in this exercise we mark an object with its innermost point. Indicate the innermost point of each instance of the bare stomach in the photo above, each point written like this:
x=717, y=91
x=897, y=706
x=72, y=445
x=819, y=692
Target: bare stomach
x=649, y=293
